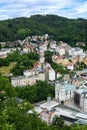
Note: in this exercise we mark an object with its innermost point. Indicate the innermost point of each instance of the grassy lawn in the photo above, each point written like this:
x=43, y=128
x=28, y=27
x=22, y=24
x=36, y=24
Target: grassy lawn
x=6, y=69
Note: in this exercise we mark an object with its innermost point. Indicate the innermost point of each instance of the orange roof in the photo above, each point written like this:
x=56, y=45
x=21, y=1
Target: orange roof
x=36, y=64
x=59, y=57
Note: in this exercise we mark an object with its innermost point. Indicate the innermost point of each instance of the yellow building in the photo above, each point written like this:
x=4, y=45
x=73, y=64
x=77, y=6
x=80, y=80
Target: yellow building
x=65, y=61
x=85, y=60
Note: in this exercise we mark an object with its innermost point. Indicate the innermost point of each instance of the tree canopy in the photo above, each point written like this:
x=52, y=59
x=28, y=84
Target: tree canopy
x=14, y=114
x=68, y=30
x=38, y=92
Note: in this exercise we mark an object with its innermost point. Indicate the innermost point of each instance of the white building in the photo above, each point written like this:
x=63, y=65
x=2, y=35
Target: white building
x=49, y=73
x=43, y=47
x=4, y=52
x=29, y=72
x=46, y=111
x=60, y=50
x=81, y=57
x=40, y=76
x=75, y=51
x=29, y=78
x=42, y=59
x=83, y=101
x=53, y=44
x=80, y=97
x=70, y=66
x=64, y=91
x=21, y=81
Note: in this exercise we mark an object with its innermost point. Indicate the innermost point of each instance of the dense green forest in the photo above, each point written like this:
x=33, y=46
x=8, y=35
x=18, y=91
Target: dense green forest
x=38, y=92
x=60, y=28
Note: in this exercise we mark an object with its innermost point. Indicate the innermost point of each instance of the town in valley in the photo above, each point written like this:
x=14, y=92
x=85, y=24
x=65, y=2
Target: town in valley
x=59, y=64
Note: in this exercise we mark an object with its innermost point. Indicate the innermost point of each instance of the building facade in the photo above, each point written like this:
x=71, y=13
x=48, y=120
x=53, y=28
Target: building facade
x=80, y=97
x=49, y=74
x=64, y=91
x=22, y=81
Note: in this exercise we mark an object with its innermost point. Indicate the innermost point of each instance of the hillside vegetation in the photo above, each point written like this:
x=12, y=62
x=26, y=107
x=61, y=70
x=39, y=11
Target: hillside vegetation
x=60, y=28
x=14, y=112
x=6, y=69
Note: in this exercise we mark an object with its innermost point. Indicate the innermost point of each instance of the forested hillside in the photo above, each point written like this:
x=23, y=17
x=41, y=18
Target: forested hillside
x=60, y=28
